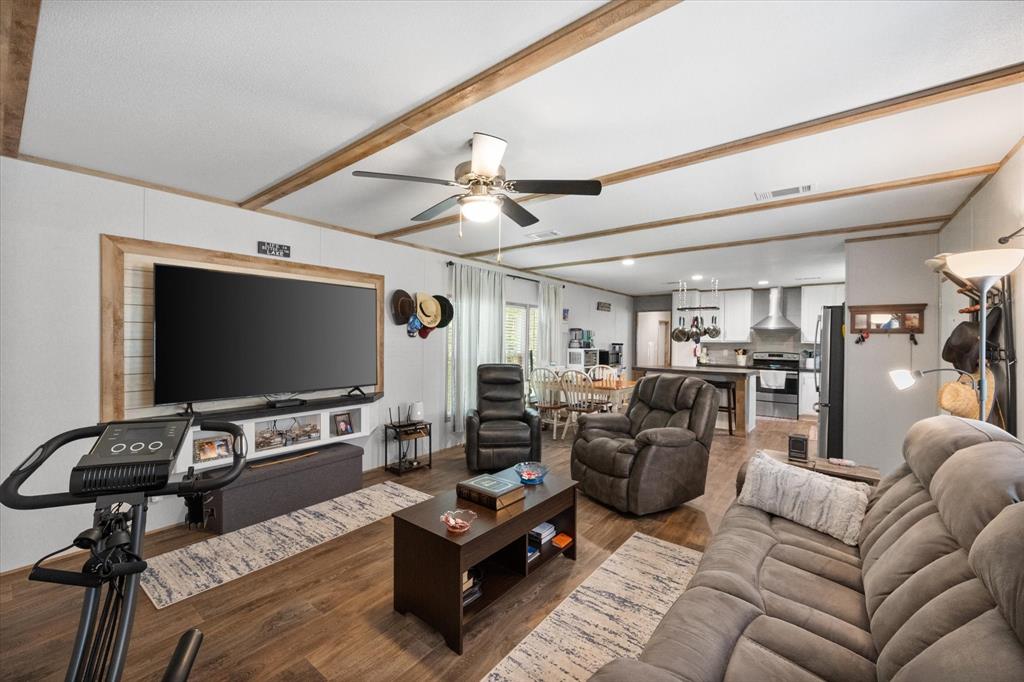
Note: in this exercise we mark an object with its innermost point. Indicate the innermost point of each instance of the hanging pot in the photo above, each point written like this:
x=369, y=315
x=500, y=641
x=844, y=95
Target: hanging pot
x=695, y=330
x=714, y=331
x=679, y=334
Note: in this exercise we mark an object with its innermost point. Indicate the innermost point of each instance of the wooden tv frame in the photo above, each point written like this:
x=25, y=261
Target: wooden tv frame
x=117, y=253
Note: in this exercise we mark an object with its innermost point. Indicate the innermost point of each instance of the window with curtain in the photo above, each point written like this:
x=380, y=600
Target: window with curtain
x=520, y=340
x=475, y=336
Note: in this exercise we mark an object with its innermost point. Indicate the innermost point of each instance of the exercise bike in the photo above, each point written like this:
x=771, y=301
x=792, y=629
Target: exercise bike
x=129, y=462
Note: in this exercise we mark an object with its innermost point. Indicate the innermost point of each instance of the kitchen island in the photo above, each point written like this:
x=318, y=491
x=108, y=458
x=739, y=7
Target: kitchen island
x=743, y=377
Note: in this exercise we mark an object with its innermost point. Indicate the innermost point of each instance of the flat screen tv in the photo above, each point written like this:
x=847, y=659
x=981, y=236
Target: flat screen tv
x=231, y=335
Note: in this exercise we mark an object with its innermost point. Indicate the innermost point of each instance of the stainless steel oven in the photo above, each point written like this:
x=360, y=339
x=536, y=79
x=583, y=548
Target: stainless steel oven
x=778, y=384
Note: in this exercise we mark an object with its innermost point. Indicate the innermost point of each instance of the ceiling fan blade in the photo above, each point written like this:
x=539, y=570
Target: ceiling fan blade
x=516, y=212
x=410, y=178
x=439, y=208
x=584, y=187
x=488, y=151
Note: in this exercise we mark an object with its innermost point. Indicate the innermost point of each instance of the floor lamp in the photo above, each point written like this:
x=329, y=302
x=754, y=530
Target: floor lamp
x=983, y=269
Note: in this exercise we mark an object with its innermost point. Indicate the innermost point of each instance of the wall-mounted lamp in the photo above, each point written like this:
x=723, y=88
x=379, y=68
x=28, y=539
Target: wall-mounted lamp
x=983, y=269
x=903, y=379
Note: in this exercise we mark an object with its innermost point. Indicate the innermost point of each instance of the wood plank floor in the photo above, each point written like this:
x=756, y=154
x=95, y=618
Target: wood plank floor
x=327, y=613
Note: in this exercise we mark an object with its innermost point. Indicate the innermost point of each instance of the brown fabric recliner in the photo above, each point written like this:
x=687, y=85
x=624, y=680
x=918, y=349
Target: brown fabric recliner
x=653, y=457
x=934, y=592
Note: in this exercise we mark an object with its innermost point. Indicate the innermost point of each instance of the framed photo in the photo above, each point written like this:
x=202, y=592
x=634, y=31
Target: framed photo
x=343, y=423
x=207, y=449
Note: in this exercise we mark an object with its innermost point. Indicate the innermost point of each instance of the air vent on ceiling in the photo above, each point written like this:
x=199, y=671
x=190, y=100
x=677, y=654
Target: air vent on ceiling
x=780, y=193
x=537, y=236
x=806, y=279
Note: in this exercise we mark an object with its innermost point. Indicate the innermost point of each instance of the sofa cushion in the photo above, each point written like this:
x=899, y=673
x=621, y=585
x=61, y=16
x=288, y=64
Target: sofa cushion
x=504, y=432
x=825, y=503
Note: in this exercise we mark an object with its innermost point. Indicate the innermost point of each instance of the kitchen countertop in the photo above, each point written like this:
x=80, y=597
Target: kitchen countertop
x=801, y=368
x=702, y=369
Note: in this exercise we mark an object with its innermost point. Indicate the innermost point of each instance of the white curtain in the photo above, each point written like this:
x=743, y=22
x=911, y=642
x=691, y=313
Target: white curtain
x=549, y=326
x=478, y=297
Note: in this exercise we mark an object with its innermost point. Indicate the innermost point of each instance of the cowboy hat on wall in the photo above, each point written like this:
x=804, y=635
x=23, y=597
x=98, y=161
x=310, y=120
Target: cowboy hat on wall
x=421, y=313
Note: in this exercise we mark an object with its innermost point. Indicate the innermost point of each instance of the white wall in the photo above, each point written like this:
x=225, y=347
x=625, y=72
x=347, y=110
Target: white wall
x=995, y=211
x=876, y=415
x=50, y=222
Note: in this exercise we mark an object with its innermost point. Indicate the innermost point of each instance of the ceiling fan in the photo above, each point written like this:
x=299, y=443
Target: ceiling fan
x=484, y=179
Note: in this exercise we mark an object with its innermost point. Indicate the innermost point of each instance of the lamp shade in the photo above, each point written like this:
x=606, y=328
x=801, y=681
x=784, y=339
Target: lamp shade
x=903, y=379
x=987, y=263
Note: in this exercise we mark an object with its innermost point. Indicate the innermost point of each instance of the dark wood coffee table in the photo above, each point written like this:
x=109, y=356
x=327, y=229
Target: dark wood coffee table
x=429, y=561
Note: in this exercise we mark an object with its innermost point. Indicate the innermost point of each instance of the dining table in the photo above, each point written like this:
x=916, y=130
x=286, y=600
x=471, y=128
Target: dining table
x=615, y=391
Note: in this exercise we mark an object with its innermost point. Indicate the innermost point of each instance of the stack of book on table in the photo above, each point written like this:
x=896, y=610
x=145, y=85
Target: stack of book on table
x=471, y=589
x=490, y=491
x=542, y=533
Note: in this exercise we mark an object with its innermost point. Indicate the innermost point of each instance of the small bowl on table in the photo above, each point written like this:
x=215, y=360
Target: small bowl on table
x=531, y=473
x=458, y=521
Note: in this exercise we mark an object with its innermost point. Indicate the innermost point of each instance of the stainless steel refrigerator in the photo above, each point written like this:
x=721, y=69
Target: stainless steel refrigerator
x=829, y=348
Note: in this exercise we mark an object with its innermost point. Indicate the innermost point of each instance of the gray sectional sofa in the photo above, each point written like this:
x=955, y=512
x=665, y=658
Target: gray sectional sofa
x=933, y=592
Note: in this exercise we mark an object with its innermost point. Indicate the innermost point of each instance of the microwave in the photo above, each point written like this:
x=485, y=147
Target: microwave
x=610, y=357
x=583, y=358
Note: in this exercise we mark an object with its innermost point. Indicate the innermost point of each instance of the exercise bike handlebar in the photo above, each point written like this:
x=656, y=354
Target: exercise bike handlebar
x=10, y=497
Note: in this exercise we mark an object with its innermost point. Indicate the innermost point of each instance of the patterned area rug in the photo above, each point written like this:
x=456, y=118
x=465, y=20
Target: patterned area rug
x=611, y=615
x=186, y=572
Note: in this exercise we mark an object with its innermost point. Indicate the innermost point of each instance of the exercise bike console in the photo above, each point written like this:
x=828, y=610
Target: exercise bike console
x=130, y=456
x=128, y=462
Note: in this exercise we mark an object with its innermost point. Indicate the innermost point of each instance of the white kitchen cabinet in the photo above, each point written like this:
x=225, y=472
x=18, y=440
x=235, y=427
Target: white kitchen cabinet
x=808, y=393
x=734, y=315
x=812, y=300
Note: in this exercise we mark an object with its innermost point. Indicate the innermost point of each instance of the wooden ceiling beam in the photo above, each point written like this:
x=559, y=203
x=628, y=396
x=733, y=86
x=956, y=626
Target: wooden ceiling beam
x=604, y=22
x=18, y=22
x=861, y=190
x=898, y=235
x=990, y=80
x=749, y=242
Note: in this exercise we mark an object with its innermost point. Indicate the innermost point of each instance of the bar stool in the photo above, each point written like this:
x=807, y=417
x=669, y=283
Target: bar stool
x=730, y=400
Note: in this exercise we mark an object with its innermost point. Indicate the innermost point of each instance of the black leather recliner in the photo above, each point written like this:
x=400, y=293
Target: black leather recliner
x=653, y=457
x=502, y=431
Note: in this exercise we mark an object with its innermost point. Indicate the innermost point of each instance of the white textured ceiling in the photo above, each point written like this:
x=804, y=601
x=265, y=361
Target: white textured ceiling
x=225, y=98
x=791, y=263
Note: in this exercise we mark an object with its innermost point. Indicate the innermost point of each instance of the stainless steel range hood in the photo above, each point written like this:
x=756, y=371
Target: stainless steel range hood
x=776, y=320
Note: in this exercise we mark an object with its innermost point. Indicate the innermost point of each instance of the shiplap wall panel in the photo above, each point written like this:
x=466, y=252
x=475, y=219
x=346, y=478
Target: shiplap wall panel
x=138, y=327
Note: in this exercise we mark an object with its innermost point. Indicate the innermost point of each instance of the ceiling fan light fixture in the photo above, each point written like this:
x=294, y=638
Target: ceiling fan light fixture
x=479, y=208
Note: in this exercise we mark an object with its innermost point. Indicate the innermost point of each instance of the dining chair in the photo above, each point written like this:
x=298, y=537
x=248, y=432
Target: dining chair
x=599, y=373
x=546, y=397
x=578, y=389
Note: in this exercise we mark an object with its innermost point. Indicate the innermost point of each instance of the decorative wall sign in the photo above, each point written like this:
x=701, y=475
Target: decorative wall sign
x=603, y=306
x=272, y=249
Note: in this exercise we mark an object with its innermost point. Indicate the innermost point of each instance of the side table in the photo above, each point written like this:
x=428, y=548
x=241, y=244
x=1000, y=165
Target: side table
x=402, y=433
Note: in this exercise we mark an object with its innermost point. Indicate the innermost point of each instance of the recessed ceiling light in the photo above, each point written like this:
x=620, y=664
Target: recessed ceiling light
x=762, y=282
x=697, y=278
x=628, y=261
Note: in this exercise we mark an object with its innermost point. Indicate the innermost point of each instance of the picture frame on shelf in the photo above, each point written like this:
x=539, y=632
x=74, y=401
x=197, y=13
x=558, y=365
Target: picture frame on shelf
x=343, y=423
x=209, y=449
